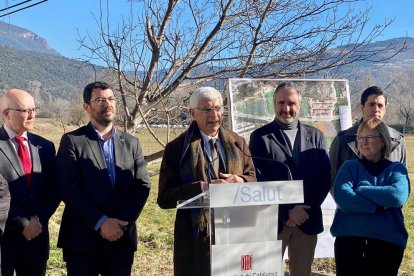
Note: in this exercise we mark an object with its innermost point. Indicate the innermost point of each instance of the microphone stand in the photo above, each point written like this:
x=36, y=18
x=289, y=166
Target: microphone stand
x=211, y=213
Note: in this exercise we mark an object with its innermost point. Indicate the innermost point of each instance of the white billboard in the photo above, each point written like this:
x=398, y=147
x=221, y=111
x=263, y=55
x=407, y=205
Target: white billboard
x=325, y=104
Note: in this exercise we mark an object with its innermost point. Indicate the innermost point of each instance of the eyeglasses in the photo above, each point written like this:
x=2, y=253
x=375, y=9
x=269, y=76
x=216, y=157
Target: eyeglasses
x=207, y=110
x=368, y=138
x=25, y=111
x=102, y=100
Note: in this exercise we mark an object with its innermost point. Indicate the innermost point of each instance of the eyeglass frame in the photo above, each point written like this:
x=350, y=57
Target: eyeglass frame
x=368, y=138
x=102, y=100
x=25, y=111
x=208, y=110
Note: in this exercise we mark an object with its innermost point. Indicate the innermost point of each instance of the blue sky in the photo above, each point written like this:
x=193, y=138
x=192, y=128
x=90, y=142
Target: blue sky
x=59, y=21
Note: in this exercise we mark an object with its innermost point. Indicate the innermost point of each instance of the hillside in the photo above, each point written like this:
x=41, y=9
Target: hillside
x=28, y=62
x=400, y=62
x=58, y=75
x=22, y=39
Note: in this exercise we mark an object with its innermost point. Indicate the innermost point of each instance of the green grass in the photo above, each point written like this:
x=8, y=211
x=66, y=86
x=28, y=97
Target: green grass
x=156, y=226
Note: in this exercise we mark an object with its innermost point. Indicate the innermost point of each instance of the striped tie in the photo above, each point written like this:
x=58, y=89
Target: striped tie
x=214, y=158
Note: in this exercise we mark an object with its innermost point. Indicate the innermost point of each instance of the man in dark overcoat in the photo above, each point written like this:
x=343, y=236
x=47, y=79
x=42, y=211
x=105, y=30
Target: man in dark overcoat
x=187, y=169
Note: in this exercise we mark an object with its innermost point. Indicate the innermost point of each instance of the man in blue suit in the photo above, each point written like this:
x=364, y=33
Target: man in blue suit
x=104, y=183
x=25, y=242
x=302, y=148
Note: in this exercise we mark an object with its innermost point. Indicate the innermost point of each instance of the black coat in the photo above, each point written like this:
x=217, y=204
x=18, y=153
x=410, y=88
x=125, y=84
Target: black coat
x=39, y=199
x=192, y=255
x=314, y=168
x=87, y=191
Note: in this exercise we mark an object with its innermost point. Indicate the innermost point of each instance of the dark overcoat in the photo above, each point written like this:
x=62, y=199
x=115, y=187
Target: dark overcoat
x=88, y=193
x=39, y=198
x=312, y=167
x=191, y=254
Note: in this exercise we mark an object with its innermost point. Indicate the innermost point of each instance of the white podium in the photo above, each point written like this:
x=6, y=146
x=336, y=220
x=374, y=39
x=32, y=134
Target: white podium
x=244, y=222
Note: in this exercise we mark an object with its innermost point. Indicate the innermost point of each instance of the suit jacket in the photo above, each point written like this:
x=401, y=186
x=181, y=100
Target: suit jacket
x=344, y=148
x=37, y=199
x=88, y=193
x=313, y=168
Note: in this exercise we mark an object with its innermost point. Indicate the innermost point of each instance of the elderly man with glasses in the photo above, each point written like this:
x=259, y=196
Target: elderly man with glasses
x=27, y=164
x=205, y=153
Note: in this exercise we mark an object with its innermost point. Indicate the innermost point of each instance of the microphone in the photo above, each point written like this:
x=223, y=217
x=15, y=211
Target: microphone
x=281, y=164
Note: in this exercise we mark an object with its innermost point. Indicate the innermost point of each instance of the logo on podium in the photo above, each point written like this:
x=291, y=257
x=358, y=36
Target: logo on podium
x=246, y=262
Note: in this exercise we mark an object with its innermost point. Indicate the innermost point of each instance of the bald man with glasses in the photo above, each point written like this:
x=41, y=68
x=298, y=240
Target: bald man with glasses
x=27, y=164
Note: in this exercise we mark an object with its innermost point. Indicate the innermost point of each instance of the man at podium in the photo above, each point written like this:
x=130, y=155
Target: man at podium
x=205, y=153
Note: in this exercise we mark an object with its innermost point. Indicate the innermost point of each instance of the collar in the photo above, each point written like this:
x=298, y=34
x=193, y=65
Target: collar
x=113, y=132
x=292, y=125
x=207, y=138
x=13, y=134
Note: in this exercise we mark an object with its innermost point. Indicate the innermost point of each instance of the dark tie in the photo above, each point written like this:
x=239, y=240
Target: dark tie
x=24, y=157
x=215, y=162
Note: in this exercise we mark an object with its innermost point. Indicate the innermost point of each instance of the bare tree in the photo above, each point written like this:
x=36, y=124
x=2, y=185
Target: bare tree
x=67, y=112
x=401, y=98
x=60, y=108
x=163, y=46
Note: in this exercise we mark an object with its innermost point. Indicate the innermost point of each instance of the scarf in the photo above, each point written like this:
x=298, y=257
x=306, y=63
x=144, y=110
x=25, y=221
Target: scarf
x=193, y=167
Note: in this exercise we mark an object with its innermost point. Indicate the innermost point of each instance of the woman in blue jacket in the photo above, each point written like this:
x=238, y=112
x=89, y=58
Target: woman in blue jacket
x=370, y=192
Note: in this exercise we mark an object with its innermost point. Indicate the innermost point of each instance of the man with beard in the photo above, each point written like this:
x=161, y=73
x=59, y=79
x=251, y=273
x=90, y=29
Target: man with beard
x=104, y=183
x=205, y=153
x=302, y=148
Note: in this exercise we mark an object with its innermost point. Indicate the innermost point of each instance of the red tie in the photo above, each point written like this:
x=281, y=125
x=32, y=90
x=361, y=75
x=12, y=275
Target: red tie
x=24, y=157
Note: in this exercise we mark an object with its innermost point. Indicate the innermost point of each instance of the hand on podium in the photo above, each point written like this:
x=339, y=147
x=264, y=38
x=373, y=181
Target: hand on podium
x=224, y=178
x=230, y=178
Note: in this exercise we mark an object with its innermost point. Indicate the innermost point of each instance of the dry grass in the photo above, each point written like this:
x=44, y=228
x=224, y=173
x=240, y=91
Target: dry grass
x=155, y=226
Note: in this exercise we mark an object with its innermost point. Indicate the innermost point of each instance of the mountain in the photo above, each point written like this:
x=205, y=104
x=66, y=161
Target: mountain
x=22, y=39
x=398, y=63
x=28, y=62
x=58, y=77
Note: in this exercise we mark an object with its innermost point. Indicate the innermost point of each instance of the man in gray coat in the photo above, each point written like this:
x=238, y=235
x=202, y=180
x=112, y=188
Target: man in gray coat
x=343, y=147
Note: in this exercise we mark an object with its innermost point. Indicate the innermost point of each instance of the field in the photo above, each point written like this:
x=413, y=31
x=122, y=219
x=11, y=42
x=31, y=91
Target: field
x=155, y=226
